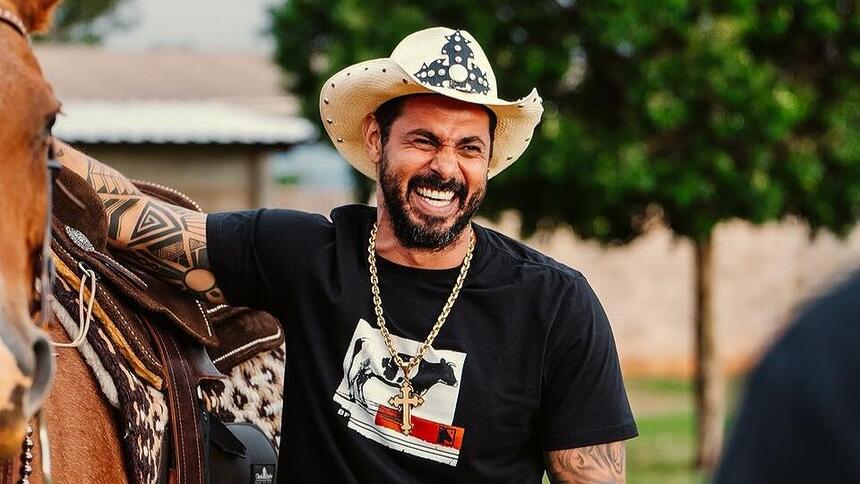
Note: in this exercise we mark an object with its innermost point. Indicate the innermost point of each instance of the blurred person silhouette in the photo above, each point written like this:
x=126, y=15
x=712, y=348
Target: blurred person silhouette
x=800, y=418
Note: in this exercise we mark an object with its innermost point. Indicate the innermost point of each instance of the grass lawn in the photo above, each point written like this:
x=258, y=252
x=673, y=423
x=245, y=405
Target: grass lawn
x=664, y=451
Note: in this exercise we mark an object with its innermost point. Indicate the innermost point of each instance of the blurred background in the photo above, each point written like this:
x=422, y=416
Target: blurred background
x=698, y=161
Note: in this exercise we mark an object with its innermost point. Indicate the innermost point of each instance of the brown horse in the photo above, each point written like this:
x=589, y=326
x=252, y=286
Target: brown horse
x=85, y=442
x=84, y=439
x=27, y=110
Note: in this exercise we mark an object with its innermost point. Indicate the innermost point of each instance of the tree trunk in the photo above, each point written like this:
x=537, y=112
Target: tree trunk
x=708, y=378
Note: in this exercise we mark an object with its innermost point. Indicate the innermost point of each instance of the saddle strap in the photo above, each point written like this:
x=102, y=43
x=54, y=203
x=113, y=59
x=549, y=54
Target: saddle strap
x=186, y=413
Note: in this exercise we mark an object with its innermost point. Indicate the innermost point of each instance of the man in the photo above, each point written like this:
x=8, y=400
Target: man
x=421, y=347
x=799, y=421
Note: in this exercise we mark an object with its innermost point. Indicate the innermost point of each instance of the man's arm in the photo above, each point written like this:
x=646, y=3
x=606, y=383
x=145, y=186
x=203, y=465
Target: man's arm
x=162, y=239
x=596, y=464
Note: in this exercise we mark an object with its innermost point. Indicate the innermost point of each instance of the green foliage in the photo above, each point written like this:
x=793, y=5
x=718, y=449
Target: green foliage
x=697, y=111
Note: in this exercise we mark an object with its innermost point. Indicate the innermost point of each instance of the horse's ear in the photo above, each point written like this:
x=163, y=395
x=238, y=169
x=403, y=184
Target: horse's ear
x=37, y=14
x=442, y=361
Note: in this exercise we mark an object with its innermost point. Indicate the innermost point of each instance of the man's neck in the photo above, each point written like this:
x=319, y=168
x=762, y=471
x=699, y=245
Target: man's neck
x=390, y=248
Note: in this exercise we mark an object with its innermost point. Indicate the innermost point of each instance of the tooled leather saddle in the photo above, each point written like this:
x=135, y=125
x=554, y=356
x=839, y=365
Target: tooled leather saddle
x=173, y=343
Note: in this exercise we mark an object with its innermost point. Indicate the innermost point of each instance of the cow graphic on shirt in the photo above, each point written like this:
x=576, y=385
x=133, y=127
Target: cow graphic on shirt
x=371, y=378
x=364, y=368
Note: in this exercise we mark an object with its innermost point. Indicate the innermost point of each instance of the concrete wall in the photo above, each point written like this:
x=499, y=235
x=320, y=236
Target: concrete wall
x=763, y=275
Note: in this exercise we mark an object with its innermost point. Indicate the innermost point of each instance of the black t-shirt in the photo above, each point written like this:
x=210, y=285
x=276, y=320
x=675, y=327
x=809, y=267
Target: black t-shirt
x=800, y=419
x=526, y=361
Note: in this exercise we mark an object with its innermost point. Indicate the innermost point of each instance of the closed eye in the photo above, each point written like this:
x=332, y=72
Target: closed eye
x=424, y=143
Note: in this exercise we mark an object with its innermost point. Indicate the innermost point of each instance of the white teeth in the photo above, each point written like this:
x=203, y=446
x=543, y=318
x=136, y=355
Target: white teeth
x=436, y=195
x=437, y=203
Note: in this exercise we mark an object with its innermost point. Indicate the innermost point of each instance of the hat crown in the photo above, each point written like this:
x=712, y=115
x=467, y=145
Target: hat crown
x=438, y=60
x=447, y=59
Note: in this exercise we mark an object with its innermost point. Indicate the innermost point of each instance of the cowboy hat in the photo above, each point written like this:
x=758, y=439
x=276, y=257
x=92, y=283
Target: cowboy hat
x=436, y=60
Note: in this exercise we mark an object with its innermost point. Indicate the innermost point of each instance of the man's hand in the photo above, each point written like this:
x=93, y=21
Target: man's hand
x=161, y=239
x=597, y=464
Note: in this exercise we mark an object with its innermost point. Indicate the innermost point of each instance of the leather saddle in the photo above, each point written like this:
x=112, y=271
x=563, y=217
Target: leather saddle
x=170, y=341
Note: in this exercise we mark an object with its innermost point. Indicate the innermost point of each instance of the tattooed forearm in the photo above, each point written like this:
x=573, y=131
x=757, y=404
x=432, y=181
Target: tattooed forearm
x=156, y=237
x=597, y=464
x=170, y=242
x=107, y=181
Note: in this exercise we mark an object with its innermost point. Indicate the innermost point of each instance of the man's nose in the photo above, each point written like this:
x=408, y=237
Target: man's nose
x=445, y=162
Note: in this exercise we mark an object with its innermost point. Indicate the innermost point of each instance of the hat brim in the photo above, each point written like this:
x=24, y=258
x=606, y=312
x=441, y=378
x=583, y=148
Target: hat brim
x=348, y=97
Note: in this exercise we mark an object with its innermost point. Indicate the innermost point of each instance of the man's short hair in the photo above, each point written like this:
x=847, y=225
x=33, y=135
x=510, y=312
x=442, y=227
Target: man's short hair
x=390, y=110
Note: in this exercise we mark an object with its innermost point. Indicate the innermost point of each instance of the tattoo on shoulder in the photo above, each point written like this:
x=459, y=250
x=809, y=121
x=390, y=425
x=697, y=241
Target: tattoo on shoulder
x=596, y=464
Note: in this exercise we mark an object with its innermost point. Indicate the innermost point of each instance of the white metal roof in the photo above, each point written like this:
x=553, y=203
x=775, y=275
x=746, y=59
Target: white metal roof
x=93, y=72
x=176, y=122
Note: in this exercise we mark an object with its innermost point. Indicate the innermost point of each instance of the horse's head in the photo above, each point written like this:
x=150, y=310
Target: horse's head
x=27, y=110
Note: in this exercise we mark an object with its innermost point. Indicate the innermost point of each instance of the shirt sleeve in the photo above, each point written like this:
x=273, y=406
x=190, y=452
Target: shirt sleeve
x=584, y=401
x=252, y=253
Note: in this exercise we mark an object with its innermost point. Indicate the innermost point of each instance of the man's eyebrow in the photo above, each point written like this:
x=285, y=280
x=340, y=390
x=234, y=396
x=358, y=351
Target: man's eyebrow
x=423, y=132
x=471, y=139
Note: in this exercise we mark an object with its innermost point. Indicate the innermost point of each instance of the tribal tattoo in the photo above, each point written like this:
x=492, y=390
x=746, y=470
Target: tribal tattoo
x=170, y=243
x=597, y=464
x=164, y=240
x=107, y=181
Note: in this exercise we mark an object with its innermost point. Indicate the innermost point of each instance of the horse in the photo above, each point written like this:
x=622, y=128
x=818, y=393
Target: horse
x=84, y=433
x=28, y=108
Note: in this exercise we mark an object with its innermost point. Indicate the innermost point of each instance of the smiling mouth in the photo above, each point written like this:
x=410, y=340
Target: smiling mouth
x=436, y=198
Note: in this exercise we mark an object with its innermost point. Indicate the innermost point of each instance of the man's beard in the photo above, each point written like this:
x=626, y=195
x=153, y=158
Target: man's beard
x=430, y=232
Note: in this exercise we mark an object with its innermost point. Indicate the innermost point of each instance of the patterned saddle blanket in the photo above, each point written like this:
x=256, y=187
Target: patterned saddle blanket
x=234, y=356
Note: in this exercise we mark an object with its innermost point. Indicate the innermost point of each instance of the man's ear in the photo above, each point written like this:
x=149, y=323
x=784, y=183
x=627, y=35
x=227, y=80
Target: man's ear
x=372, y=138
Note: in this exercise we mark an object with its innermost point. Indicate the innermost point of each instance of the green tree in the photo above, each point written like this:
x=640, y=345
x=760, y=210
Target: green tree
x=693, y=112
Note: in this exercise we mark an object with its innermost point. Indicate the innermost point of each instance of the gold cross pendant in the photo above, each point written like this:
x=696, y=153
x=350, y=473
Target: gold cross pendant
x=406, y=401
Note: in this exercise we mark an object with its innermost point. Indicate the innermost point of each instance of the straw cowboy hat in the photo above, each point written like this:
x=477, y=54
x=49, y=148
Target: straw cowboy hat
x=436, y=60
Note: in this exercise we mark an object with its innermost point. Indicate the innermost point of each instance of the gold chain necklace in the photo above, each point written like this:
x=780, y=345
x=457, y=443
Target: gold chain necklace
x=407, y=400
